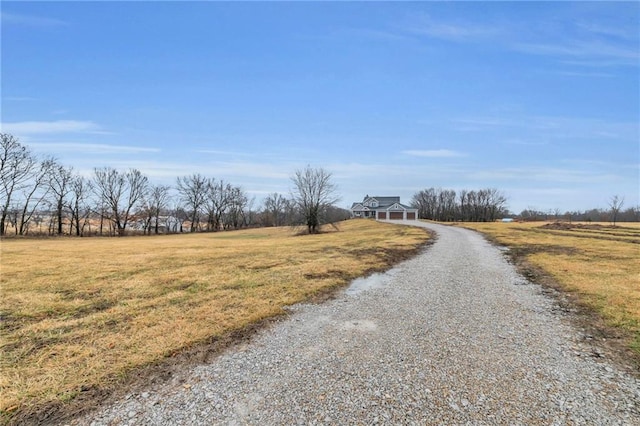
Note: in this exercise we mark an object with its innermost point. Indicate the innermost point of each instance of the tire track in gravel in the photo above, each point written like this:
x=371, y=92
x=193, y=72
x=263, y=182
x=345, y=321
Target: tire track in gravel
x=452, y=336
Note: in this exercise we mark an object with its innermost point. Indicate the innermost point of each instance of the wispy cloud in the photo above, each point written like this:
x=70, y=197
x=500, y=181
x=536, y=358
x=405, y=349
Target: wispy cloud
x=217, y=152
x=552, y=191
x=524, y=142
x=580, y=74
x=592, y=164
x=90, y=148
x=452, y=31
x=626, y=32
x=371, y=34
x=391, y=172
x=18, y=98
x=581, y=42
x=591, y=63
x=434, y=153
x=253, y=169
x=236, y=172
x=554, y=127
x=42, y=127
x=352, y=170
x=30, y=20
x=620, y=54
x=544, y=174
x=476, y=124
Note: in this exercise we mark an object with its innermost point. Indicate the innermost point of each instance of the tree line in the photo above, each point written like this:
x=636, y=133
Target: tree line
x=38, y=195
x=447, y=205
x=611, y=214
x=489, y=204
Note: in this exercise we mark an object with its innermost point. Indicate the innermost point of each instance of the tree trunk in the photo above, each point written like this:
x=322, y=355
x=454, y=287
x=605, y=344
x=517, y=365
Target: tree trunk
x=59, y=212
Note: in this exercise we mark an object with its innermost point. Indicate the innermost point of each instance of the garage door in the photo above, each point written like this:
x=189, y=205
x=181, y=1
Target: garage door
x=382, y=215
x=396, y=215
x=411, y=216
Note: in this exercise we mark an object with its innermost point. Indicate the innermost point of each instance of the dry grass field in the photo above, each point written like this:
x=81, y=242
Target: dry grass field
x=598, y=264
x=81, y=314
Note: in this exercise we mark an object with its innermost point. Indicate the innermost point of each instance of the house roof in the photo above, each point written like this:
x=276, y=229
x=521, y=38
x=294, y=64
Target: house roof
x=384, y=203
x=403, y=206
x=383, y=200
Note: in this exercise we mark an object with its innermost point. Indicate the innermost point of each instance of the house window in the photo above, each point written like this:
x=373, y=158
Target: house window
x=374, y=204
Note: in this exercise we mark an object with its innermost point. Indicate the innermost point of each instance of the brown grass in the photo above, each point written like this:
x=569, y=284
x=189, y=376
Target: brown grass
x=83, y=314
x=598, y=264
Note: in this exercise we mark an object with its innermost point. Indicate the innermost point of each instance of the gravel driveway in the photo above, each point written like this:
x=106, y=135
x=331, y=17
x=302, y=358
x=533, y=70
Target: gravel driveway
x=452, y=336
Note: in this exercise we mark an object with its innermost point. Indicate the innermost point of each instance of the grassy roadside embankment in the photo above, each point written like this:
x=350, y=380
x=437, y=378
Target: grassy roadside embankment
x=598, y=265
x=80, y=315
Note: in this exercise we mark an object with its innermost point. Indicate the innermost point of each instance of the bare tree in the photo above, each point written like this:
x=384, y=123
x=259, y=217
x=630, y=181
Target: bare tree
x=144, y=216
x=156, y=200
x=235, y=212
x=275, y=206
x=121, y=192
x=476, y=206
x=35, y=191
x=103, y=211
x=193, y=193
x=12, y=217
x=463, y=205
x=425, y=201
x=219, y=196
x=615, y=204
x=80, y=189
x=159, y=200
x=16, y=168
x=531, y=213
x=337, y=214
x=447, y=205
x=176, y=218
x=60, y=182
x=313, y=192
x=496, y=204
x=249, y=215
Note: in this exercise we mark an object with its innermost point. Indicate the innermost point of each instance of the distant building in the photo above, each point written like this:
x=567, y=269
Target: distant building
x=383, y=208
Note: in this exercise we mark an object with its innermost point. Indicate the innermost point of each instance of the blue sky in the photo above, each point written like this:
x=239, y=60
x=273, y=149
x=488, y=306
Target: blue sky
x=540, y=100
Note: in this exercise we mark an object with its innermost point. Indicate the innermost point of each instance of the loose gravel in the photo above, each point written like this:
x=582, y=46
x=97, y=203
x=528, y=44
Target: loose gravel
x=453, y=336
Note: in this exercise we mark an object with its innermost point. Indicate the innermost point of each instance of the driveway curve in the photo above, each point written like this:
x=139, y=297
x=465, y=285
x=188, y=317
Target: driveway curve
x=452, y=336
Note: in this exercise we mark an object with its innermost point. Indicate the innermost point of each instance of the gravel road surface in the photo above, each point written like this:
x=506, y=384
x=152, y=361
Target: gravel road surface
x=453, y=336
